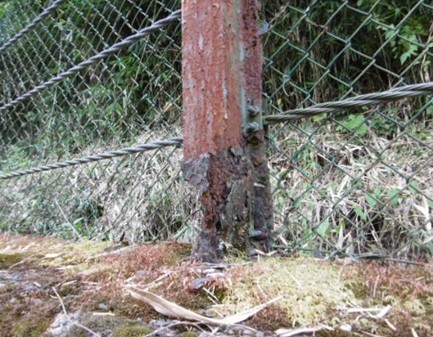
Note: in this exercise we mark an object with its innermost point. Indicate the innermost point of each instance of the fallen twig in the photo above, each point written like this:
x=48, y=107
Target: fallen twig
x=69, y=319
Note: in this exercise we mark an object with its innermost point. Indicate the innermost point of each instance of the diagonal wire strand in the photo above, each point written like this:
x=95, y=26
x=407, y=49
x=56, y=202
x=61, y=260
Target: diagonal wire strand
x=45, y=13
x=156, y=145
x=413, y=90
x=157, y=25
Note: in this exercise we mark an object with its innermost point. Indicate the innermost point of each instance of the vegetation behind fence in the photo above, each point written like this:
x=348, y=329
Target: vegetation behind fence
x=358, y=180
x=344, y=182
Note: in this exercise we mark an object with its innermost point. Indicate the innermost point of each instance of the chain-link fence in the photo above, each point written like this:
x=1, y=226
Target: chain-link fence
x=83, y=77
x=358, y=180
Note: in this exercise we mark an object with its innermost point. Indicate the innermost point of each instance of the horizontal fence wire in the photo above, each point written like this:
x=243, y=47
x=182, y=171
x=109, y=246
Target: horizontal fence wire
x=414, y=90
x=353, y=175
x=350, y=138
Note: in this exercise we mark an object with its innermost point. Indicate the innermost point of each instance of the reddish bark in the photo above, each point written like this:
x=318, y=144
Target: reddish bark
x=210, y=89
x=224, y=153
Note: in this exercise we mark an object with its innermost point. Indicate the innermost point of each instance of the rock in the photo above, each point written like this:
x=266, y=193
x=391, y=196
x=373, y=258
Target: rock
x=63, y=324
x=106, y=325
x=103, y=307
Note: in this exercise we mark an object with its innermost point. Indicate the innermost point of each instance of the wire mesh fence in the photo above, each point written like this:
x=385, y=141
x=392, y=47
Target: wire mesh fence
x=353, y=181
x=84, y=77
x=358, y=180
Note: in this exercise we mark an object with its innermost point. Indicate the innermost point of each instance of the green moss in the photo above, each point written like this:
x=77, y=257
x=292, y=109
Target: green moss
x=310, y=292
x=7, y=260
x=30, y=327
x=110, y=326
x=415, y=307
x=98, y=324
x=359, y=289
x=131, y=330
x=73, y=254
x=91, y=246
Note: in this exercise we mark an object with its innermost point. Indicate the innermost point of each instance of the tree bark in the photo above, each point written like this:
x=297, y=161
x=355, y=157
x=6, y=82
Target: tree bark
x=224, y=144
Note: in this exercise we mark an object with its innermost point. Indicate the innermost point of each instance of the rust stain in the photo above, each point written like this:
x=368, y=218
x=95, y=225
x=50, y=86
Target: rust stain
x=210, y=69
x=252, y=49
x=223, y=158
x=213, y=175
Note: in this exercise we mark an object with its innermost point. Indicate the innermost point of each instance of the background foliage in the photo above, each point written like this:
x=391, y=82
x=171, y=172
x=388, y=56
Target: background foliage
x=350, y=183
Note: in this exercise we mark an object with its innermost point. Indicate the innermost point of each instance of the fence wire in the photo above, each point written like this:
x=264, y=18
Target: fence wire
x=348, y=177
x=81, y=78
x=359, y=180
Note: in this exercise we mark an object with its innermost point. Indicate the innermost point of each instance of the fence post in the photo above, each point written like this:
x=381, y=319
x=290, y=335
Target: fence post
x=224, y=145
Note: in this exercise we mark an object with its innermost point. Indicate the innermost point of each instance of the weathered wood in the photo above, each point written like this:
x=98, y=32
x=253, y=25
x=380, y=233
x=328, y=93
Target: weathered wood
x=224, y=147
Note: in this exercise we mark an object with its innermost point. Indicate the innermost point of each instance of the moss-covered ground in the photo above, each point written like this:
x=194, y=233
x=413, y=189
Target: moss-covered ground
x=340, y=298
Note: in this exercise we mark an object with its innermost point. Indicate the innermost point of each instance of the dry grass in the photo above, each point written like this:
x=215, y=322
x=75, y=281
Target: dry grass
x=335, y=188
x=333, y=191
x=135, y=198
x=341, y=191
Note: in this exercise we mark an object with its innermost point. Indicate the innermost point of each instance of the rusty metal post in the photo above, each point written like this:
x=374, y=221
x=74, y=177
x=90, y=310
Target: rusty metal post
x=224, y=145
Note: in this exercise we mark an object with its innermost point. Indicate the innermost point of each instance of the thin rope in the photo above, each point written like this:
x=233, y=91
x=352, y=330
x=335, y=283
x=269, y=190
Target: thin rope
x=95, y=58
x=413, y=90
x=156, y=145
x=44, y=14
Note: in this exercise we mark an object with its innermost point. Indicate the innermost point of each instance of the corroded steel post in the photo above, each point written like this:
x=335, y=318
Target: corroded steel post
x=224, y=146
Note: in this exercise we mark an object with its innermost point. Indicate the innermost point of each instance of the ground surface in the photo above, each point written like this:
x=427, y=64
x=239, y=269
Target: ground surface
x=50, y=287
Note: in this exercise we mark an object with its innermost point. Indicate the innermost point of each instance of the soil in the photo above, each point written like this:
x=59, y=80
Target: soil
x=51, y=287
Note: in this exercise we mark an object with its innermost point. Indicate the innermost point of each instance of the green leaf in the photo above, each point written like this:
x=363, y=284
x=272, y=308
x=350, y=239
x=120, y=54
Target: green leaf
x=319, y=118
x=408, y=54
x=357, y=124
x=393, y=196
x=430, y=247
x=358, y=210
x=341, y=227
x=371, y=201
x=322, y=228
x=414, y=186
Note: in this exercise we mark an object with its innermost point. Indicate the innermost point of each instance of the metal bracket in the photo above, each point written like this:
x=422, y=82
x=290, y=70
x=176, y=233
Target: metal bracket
x=252, y=121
